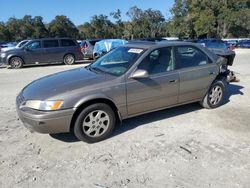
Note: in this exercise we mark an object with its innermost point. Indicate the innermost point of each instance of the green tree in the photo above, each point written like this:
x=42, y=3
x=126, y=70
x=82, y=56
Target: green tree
x=27, y=27
x=133, y=27
x=102, y=27
x=86, y=31
x=119, y=24
x=143, y=24
x=4, y=33
x=40, y=30
x=153, y=22
x=14, y=27
x=62, y=26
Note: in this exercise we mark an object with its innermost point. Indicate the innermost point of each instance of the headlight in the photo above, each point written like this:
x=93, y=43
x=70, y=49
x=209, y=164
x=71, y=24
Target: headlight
x=43, y=105
x=3, y=55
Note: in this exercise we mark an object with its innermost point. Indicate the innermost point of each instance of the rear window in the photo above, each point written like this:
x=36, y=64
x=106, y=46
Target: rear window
x=50, y=43
x=67, y=42
x=191, y=57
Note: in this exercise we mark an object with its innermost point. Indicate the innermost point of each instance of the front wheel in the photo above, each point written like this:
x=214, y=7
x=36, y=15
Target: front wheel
x=95, y=123
x=16, y=63
x=69, y=59
x=215, y=95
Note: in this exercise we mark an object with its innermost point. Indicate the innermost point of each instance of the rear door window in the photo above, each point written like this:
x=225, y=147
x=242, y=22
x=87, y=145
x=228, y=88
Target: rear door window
x=67, y=42
x=50, y=43
x=189, y=56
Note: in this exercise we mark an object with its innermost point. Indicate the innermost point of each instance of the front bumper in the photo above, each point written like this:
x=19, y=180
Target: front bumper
x=3, y=60
x=45, y=122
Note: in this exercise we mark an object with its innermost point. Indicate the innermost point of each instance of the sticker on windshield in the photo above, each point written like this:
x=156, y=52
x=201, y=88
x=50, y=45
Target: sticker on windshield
x=134, y=50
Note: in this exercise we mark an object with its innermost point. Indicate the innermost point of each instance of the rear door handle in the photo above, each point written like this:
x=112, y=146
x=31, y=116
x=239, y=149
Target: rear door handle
x=211, y=73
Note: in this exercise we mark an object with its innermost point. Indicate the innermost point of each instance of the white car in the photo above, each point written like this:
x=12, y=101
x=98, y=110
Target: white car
x=20, y=44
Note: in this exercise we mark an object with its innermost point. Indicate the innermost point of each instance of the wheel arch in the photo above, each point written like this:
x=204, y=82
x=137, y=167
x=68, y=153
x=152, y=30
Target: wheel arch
x=11, y=56
x=80, y=106
x=67, y=53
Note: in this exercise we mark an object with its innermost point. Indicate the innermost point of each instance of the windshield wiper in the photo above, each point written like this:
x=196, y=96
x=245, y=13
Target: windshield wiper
x=98, y=69
x=89, y=68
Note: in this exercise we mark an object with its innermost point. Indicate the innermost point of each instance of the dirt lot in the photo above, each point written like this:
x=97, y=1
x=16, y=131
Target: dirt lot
x=180, y=147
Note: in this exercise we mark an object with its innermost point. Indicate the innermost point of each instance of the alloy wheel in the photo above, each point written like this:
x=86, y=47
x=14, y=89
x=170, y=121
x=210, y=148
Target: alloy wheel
x=69, y=59
x=16, y=63
x=215, y=95
x=96, y=123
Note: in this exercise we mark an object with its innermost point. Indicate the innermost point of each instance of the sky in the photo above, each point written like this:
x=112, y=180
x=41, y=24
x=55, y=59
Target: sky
x=79, y=11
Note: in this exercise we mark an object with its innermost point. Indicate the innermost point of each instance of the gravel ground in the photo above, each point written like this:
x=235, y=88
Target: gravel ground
x=185, y=146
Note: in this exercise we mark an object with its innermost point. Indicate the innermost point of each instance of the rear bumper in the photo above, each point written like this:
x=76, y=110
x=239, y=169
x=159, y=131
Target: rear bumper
x=88, y=56
x=46, y=122
x=229, y=76
x=79, y=56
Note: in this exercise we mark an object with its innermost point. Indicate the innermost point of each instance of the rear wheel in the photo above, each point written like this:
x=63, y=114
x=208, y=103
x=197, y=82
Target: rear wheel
x=69, y=59
x=16, y=63
x=95, y=123
x=214, y=96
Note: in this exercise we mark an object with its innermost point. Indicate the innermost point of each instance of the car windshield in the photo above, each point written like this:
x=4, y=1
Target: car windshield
x=20, y=44
x=118, y=61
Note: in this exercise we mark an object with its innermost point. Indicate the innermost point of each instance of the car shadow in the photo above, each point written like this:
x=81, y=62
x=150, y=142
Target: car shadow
x=132, y=123
x=232, y=89
x=56, y=64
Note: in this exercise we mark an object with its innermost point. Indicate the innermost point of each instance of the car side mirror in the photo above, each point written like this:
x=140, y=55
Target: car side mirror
x=140, y=73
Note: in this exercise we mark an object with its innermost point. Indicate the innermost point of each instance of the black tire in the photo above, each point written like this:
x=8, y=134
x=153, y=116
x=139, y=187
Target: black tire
x=94, y=57
x=16, y=63
x=209, y=101
x=87, y=133
x=69, y=59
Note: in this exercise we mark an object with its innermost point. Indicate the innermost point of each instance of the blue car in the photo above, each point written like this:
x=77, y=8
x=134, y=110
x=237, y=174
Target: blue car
x=244, y=44
x=104, y=46
x=213, y=43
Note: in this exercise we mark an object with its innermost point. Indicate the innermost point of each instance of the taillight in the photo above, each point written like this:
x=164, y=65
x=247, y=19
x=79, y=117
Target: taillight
x=79, y=50
x=84, y=47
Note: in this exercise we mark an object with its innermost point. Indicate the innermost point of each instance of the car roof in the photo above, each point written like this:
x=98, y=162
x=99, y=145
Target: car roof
x=150, y=44
x=55, y=38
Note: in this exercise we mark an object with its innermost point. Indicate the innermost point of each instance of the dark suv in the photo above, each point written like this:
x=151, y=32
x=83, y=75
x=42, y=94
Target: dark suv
x=43, y=51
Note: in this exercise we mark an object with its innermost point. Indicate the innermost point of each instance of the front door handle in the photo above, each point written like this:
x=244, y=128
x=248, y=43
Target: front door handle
x=173, y=81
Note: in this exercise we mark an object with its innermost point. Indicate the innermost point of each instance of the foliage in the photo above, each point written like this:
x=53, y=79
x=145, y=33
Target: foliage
x=190, y=19
x=211, y=18
x=61, y=26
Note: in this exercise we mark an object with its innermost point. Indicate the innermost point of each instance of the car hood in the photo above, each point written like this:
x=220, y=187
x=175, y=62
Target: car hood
x=61, y=83
x=7, y=49
x=11, y=50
